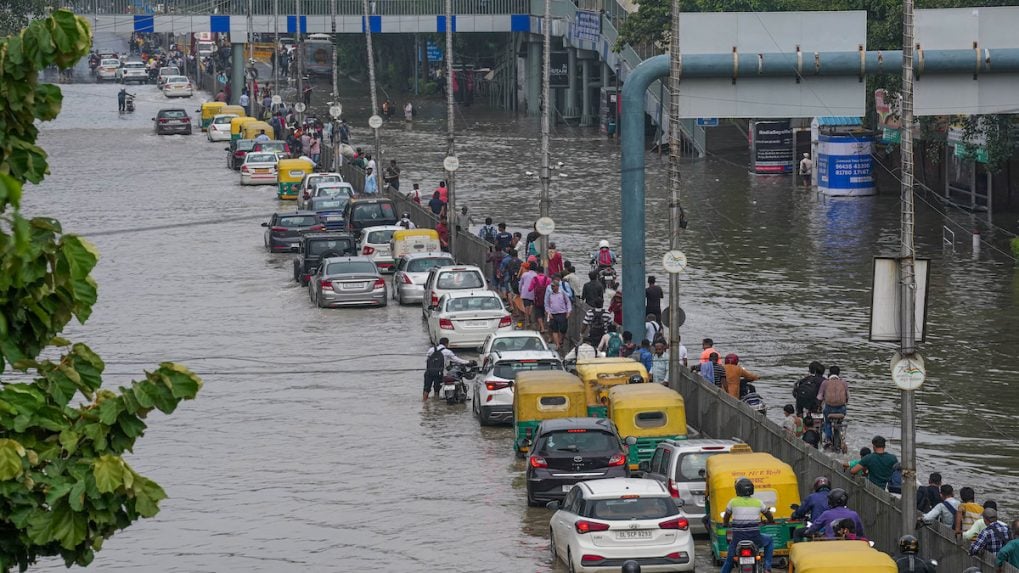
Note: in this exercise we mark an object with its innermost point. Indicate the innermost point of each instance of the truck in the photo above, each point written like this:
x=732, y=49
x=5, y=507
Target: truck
x=204, y=44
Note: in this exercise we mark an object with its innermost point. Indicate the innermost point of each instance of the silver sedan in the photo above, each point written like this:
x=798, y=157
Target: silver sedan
x=412, y=272
x=347, y=281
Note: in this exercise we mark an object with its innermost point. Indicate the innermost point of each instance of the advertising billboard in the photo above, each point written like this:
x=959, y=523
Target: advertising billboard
x=771, y=147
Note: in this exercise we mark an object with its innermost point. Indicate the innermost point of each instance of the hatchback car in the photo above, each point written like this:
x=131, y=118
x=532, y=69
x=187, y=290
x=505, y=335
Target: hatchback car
x=411, y=272
x=679, y=465
x=330, y=210
x=447, y=279
x=374, y=243
x=566, y=451
x=133, y=71
x=363, y=213
x=177, y=86
x=331, y=189
x=283, y=231
x=467, y=317
x=259, y=169
x=602, y=524
x=515, y=341
x=345, y=281
x=236, y=152
x=493, y=393
x=172, y=121
x=219, y=129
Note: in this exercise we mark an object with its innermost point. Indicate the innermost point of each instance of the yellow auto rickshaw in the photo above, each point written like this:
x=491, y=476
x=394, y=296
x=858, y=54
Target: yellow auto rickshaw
x=774, y=483
x=409, y=241
x=599, y=374
x=210, y=109
x=253, y=129
x=237, y=110
x=236, y=124
x=648, y=412
x=838, y=556
x=544, y=395
x=290, y=172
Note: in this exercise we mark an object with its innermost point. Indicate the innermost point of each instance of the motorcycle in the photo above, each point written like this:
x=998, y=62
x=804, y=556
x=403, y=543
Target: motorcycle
x=748, y=558
x=607, y=276
x=749, y=396
x=454, y=389
x=129, y=103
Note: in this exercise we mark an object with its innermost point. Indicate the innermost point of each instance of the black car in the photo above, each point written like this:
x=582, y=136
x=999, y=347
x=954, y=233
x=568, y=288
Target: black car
x=330, y=209
x=566, y=451
x=361, y=213
x=237, y=151
x=284, y=230
x=317, y=246
x=172, y=120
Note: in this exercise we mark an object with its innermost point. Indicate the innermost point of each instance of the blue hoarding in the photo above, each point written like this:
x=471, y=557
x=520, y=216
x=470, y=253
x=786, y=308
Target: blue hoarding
x=845, y=166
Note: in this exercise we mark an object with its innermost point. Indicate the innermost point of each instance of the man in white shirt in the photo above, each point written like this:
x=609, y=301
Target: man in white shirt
x=435, y=369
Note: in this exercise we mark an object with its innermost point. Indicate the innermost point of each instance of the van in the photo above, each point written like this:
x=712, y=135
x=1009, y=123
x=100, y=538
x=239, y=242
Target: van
x=680, y=466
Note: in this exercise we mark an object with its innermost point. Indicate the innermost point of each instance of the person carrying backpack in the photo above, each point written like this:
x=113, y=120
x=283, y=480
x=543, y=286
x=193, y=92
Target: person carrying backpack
x=612, y=343
x=538, y=286
x=487, y=231
x=596, y=324
x=435, y=366
x=805, y=390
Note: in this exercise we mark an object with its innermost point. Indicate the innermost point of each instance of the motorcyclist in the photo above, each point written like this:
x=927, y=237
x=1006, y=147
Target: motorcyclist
x=604, y=258
x=908, y=561
x=122, y=98
x=405, y=222
x=813, y=507
x=837, y=510
x=435, y=365
x=745, y=512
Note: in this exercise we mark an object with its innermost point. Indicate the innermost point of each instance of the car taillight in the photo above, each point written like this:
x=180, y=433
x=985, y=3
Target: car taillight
x=367, y=250
x=445, y=324
x=278, y=229
x=186, y=119
x=592, y=558
x=379, y=283
x=496, y=385
x=317, y=228
x=537, y=462
x=238, y=154
x=617, y=460
x=164, y=120
x=505, y=321
x=681, y=523
x=435, y=300
x=405, y=279
x=677, y=556
x=244, y=168
x=325, y=284
x=673, y=490
x=584, y=526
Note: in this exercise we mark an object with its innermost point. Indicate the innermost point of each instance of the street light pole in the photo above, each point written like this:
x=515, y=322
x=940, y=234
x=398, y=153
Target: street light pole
x=371, y=87
x=300, y=61
x=451, y=216
x=546, y=108
x=252, y=96
x=675, y=209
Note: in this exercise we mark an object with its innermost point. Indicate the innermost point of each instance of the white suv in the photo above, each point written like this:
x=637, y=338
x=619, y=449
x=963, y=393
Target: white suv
x=679, y=465
x=133, y=71
x=442, y=280
x=493, y=391
x=603, y=523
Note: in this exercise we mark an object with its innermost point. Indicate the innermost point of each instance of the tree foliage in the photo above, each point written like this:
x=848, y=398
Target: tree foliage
x=64, y=486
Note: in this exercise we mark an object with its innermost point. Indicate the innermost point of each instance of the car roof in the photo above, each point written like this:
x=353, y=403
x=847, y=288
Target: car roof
x=428, y=255
x=354, y=259
x=456, y=268
x=683, y=446
x=326, y=236
x=524, y=355
x=558, y=424
x=381, y=228
x=366, y=201
x=518, y=333
x=615, y=487
x=289, y=213
x=470, y=294
x=133, y=62
x=166, y=109
x=334, y=185
x=176, y=78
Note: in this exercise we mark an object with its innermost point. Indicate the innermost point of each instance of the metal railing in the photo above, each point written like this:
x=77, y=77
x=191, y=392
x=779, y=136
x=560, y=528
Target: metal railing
x=308, y=7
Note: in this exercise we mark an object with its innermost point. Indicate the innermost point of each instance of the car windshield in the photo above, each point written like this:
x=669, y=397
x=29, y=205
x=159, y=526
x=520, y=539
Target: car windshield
x=334, y=191
x=508, y=369
x=452, y=280
x=516, y=343
x=351, y=267
x=296, y=221
x=173, y=113
x=472, y=303
x=328, y=204
x=320, y=179
x=379, y=237
x=374, y=211
x=245, y=144
x=260, y=158
x=626, y=509
x=110, y=63
x=134, y=65
x=169, y=71
x=579, y=440
x=176, y=80
x=424, y=265
x=273, y=146
x=225, y=119
x=690, y=466
x=318, y=247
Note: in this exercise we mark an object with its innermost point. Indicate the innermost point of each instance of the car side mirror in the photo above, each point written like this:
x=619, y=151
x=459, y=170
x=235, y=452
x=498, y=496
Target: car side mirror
x=553, y=505
x=265, y=224
x=631, y=441
x=153, y=119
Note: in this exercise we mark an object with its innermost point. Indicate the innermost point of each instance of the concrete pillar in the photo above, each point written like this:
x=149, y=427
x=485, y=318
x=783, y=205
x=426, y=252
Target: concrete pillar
x=606, y=71
x=571, y=110
x=533, y=79
x=237, y=78
x=585, y=92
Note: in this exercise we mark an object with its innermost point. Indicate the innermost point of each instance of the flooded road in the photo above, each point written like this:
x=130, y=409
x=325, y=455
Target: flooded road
x=309, y=450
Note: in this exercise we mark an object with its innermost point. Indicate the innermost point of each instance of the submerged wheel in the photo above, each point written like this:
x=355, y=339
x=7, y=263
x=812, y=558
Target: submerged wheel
x=552, y=548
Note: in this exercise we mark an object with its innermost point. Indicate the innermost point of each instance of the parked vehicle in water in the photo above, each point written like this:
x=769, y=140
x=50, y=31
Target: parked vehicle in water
x=374, y=243
x=650, y=413
x=347, y=281
x=601, y=524
x=330, y=210
x=513, y=341
x=239, y=148
x=411, y=272
x=165, y=73
x=307, y=185
x=219, y=127
x=454, y=388
x=259, y=169
x=467, y=317
x=331, y=190
x=316, y=246
x=173, y=120
x=447, y=279
x=291, y=172
x=284, y=230
x=543, y=395
x=108, y=70
x=407, y=241
x=679, y=465
x=177, y=86
x=493, y=394
x=132, y=71
x=363, y=213
x=567, y=451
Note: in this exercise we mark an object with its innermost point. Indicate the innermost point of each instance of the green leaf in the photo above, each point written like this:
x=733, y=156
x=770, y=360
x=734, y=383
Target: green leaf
x=10, y=194
x=76, y=497
x=11, y=454
x=147, y=494
x=109, y=409
x=69, y=440
x=109, y=473
x=61, y=525
x=81, y=255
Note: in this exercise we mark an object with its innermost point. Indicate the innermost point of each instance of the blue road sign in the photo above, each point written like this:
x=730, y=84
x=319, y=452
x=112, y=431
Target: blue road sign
x=707, y=122
x=434, y=53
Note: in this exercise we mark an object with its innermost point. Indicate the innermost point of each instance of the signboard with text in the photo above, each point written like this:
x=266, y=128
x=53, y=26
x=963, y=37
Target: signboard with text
x=771, y=147
x=558, y=73
x=845, y=165
x=586, y=26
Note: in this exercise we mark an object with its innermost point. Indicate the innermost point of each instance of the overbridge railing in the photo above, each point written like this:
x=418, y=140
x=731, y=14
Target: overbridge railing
x=308, y=7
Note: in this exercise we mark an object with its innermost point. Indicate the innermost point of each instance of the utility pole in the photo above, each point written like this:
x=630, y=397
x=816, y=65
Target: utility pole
x=371, y=84
x=451, y=216
x=276, y=46
x=252, y=96
x=675, y=210
x=299, y=50
x=546, y=111
x=336, y=93
x=907, y=276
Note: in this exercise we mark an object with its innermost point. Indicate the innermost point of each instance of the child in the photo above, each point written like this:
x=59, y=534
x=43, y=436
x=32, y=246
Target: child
x=968, y=512
x=864, y=451
x=792, y=424
x=810, y=434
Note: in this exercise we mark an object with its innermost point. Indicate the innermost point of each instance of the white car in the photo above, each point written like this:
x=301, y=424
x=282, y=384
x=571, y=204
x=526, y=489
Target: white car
x=516, y=341
x=327, y=189
x=374, y=243
x=259, y=169
x=177, y=86
x=133, y=72
x=603, y=523
x=312, y=179
x=166, y=72
x=109, y=69
x=493, y=392
x=219, y=129
x=450, y=279
x=467, y=317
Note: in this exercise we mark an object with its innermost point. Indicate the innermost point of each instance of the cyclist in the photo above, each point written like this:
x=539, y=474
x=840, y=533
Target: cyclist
x=909, y=562
x=837, y=500
x=834, y=395
x=745, y=512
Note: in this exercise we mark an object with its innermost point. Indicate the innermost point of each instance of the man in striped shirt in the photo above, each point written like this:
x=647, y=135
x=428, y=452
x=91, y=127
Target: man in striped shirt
x=743, y=515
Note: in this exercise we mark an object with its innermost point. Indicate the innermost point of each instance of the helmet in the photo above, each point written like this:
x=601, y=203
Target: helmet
x=837, y=498
x=635, y=379
x=406, y=215
x=603, y=244
x=744, y=487
x=909, y=544
x=822, y=483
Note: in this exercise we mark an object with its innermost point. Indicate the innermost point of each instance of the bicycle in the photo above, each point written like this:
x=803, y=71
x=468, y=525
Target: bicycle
x=838, y=433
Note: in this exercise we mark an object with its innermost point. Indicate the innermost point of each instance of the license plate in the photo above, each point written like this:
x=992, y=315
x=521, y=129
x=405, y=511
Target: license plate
x=567, y=488
x=352, y=286
x=634, y=534
x=261, y=171
x=475, y=324
x=746, y=560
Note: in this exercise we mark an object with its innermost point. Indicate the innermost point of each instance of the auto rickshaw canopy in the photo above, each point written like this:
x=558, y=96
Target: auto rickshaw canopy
x=546, y=394
x=599, y=374
x=774, y=481
x=647, y=410
x=838, y=556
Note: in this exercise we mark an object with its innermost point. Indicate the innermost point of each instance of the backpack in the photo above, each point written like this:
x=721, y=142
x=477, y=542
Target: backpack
x=806, y=389
x=597, y=324
x=539, y=286
x=605, y=258
x=488, y=233
x=659, y=335
x=436, y=361
x=614, y=345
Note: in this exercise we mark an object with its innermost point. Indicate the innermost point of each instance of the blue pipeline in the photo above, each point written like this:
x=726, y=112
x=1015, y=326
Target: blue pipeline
x=749, y=65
